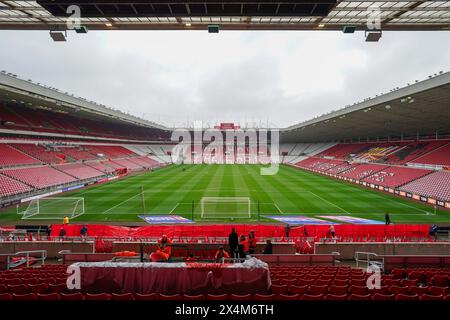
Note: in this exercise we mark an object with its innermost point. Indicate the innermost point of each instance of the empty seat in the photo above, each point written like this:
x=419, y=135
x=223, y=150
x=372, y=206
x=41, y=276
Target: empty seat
x=24, y=297
x=72, y=296
x=360, y=290
x=338, y=290
x=122, y=296
x=316, y=290
x=382, y=297
x=18, y=289
x=265, y=296
x=97, y=296
x=312, y=297
x=282, y=289
x=406, y=297
x=336, y=297
x=198, y=297
x=146, y=297
x=430, y=297
x=171, y=297
x=218, y=297
x=288, y=297
x=48, y=296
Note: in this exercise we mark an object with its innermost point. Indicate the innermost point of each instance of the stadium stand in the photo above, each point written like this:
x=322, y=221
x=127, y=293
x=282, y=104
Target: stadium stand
x=436, y=185
x=361, y=171
x=44, y=154
x=10, y=186
x=413, y=151
x=439, y=156
x=79, y=170
x=288, y=283
x=394, y=177
x=78, y=153
x=11, y=157
x=39, y=177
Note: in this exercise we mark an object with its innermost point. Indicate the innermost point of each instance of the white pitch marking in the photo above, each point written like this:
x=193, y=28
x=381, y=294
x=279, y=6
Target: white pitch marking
x=329, y=202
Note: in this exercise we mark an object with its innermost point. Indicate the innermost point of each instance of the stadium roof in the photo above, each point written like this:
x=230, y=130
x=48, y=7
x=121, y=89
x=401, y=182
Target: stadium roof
x=420, y=109
x=35, y=95
x=229, y=14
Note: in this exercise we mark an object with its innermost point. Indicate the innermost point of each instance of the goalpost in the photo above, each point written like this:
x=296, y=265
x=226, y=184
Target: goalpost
x=54, y=208
x=225, y=207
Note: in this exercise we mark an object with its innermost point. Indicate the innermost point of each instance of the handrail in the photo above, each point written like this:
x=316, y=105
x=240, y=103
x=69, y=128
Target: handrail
x=367, y=260
x=27, y=255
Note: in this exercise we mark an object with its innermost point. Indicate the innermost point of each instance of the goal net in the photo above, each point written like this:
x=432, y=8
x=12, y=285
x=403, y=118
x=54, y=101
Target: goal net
x=225, y=207
x=54, y=208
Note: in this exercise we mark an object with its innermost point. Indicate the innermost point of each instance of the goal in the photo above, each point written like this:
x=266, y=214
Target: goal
x=225, y=207
x=53, y=208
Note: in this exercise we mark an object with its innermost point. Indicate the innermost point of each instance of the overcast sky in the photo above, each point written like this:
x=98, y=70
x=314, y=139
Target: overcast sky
x=177, y=76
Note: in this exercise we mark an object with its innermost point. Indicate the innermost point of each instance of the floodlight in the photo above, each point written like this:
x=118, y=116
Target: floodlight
x=58, y=36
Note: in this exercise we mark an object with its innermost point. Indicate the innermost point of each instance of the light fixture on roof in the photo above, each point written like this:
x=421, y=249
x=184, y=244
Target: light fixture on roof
x=108, y=24
x=213, y=28
x=188, y=24
x=387, y=107
x=321, y=25
x=373, y=35
x=58, y=36
x=349, y=29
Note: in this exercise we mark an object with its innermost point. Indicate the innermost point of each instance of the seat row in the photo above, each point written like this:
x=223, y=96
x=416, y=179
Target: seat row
x=224, y=297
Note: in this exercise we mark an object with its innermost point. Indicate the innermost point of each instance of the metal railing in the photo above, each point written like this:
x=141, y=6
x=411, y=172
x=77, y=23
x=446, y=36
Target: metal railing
x=368, y=258
x=27, y=254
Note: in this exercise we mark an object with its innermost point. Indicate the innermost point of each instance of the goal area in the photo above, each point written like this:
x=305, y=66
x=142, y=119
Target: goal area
x=53, y=208
x=225, y=207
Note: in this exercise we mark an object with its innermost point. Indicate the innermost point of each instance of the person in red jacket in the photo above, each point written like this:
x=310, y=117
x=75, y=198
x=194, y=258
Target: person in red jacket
x=244, y=243
x=221, y=254
x=163, y=251
x=251, y=242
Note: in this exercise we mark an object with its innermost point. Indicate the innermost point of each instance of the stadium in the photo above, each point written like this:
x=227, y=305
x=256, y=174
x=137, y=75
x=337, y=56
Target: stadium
x=101, y=204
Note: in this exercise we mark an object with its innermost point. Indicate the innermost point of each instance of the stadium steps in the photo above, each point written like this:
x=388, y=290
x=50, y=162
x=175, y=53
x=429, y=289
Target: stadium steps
x=25, y=153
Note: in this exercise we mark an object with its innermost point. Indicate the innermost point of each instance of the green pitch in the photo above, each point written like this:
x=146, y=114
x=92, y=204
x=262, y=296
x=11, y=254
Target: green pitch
x=178, y=189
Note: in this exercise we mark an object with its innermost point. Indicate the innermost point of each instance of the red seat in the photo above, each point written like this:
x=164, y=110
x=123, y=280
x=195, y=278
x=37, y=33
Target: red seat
x=71, y=296
x=146, y=297
x=241, y=297
x=298, y=290
x=354, y=297
x=265, y=296
x=122, y=296
x=359, y=290
x=341, y=283
x=38, y=288
x=406, y=297
x=48, y=296
x=336, y=297
x=437, y=291
x=305, y=282
x=382, y=290
x=418, y=290
x=324, y=282
x=440, y=281
x=288, y=297
x=283, y=289
x=57, y=288
x=358, y=282
x=24, y=297
x=428, y=297
x=171, y=297
x=97, y=296
x=383, y=297
x=198, y=297
x=6, y=296
x=3, y=288
x=18, y=289
x=391, y=282
x=397, y=290
x=312, y=297
x=338, y=290
x=13, y=281
x=316, y=290
x=218, y=297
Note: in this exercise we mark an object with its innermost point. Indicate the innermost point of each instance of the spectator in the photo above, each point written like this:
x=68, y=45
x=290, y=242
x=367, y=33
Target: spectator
x=66, y=220
x=62, y=232
x=433, y=231
x=221, y=254
x=268, y=248
x=288, y=230
x=84, y=231
x=251, y=242
x=305, y=232
x=387, y=218
x=244, y=243
x=233, y=241
x=49, y=231
x=332, y=231
x=162, y=254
